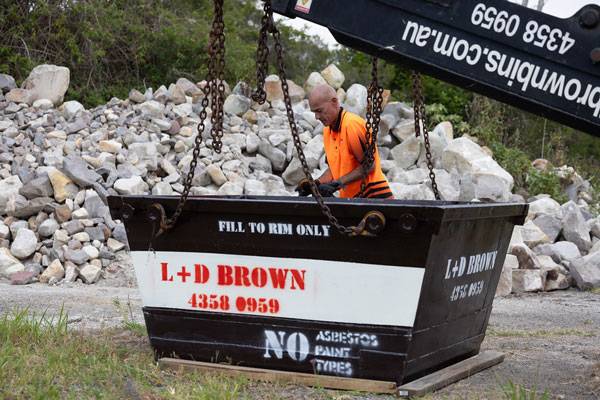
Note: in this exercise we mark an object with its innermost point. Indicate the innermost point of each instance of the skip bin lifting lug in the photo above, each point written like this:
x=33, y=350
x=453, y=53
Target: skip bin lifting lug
x=157, y=216
x=372, y=223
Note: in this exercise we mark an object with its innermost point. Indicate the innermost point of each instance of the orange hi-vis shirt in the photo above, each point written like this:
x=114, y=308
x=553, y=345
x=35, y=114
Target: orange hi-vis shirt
x=341, y=142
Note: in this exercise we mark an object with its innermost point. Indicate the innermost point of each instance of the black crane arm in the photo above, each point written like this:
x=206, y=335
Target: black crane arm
x=542, y=64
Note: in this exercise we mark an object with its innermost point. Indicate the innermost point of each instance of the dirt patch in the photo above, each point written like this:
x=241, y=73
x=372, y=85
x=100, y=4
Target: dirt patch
x=556, y=333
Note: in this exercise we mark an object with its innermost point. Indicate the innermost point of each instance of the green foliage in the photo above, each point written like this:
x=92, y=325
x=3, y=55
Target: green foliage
x=540, y=181
x=128, y=320
x=514, y=391
x=455, y=99
x=438, y=112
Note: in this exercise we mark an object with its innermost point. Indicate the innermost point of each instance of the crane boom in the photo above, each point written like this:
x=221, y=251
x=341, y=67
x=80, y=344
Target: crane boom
x=537, y=62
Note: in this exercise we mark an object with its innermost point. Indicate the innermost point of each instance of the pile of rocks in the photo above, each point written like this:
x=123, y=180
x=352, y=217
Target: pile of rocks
x=58, y=165
x=555, y=248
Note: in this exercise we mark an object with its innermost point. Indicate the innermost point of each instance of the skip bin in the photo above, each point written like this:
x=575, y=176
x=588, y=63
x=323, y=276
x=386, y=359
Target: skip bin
x=266, y=282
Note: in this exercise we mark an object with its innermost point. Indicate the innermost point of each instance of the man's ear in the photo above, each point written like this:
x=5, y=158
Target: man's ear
x=334, y=101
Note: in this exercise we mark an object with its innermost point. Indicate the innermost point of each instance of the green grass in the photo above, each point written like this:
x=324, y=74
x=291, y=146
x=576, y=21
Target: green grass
x=512, y=391
x=40, y=358
x=594, y=291
x=128, y=320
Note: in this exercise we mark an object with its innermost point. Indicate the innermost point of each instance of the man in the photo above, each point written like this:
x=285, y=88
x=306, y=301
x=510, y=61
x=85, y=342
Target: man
x=345, y=143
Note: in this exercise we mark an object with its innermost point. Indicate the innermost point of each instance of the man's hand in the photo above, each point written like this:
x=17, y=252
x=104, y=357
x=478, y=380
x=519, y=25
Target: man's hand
x=303, y=187
x=329, y=188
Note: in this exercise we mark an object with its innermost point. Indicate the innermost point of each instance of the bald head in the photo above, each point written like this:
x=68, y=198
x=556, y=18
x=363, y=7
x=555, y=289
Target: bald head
x=324, y=103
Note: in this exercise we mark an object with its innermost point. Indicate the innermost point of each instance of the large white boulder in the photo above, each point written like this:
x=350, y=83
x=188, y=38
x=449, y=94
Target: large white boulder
x=333, y=76
x=314, y=79
x=481, y=176
x=356, y=97
x=48, y=82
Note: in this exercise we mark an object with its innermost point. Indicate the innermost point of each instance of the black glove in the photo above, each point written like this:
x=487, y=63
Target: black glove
x=303, y=187
x=329, y=188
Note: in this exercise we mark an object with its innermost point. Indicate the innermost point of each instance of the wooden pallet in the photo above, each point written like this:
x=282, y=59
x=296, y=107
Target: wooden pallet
x=419, y=387
x=270, y=375
x=451, y=374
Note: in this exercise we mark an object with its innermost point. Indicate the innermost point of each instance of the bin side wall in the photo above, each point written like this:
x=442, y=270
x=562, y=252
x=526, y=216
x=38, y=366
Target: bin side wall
x=350, y=350
x=462, y=274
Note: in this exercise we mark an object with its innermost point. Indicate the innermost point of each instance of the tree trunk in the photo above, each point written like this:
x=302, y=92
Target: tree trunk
x=541, y=4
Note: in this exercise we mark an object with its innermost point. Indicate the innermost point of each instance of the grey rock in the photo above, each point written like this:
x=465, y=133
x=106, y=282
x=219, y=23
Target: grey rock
x=94, y=233
x=75, y=126
x=71, y=272
x=136, y=96
x=574, y=228
x=276, y=156
x=162, y=189
x=532, y=235
x=407, y=153
x=527, y=258
x=119, y=233
x=80, y=171
x=16, y=226
x=201, y=177
x=94, y=205
x=147, y=154
x=586, y=273
x=544, y=206
x=7, y=83
x=76, y=256
x=236, y=105
x=48, y=82
x=528, y=280
x=7, y=260
x=133, y=185
x=70, y=109
x=550, y=225
x=108, y=255
x=48, y=227
x=559, y=251
x=24, y=244
x=35, y=268
x=90, y=274
x=8, y=188
x=37, y=187
x=356, y=96
x=74, y=226
x=560, y=282
x=504, y=287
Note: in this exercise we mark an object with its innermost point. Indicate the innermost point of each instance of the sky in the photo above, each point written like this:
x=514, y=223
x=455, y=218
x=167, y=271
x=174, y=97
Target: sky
x=558, y=8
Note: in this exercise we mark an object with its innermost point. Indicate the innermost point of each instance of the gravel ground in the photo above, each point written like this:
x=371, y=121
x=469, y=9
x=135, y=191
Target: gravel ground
x=557, y=333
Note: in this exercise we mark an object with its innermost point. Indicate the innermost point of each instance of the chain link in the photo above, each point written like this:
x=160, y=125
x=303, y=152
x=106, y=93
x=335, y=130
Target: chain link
x=373, y=117
x=214, y=92
x=262, y=53
x=421, y=121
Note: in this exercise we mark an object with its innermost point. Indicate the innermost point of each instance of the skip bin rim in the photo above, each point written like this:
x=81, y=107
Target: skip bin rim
x=441, y=210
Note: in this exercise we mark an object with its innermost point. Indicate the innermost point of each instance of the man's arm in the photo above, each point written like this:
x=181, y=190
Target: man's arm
x=355, y=175
x=326, y=177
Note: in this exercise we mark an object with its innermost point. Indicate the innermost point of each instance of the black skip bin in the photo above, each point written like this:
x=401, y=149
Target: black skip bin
x=266, y=282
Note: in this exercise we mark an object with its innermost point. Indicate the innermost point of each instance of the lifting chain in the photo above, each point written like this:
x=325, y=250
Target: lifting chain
x=373, y=117
x=214, y=92
x=268, y=25
x=421, y=121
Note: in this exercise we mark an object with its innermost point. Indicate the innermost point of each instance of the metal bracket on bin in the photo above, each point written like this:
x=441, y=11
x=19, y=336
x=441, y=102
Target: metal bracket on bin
x=126, y=212
x=372, y=223
x=157, y=216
